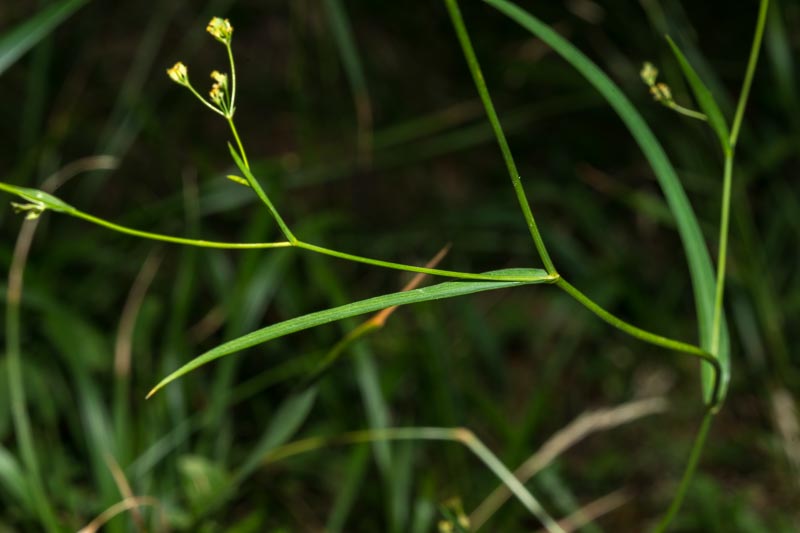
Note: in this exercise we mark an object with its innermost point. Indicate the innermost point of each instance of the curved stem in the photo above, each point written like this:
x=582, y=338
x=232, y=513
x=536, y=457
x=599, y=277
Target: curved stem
x=688, y=473
x=423, y=270
x=646, y=336
x=178, y=240
x=483, y=91
x=206, y=103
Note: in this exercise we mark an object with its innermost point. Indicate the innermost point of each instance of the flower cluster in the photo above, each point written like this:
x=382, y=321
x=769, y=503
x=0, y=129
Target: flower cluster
x=660, y=91
x=219, y=89
x=220, y=29
x=179, y=74
x=221, y=95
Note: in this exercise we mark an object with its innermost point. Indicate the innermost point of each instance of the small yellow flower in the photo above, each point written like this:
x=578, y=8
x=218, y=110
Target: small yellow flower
x=649, y=74
x=220, y=78
x=661, y=93
x=178, y=73
x=217, y=95
x=220, y=29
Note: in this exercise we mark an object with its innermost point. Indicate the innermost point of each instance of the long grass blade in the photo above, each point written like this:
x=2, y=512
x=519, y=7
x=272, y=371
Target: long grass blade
x=15, y=43
x=351, y=59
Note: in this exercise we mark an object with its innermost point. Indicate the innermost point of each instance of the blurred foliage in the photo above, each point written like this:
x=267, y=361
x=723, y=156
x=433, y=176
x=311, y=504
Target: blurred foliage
x=513, y=366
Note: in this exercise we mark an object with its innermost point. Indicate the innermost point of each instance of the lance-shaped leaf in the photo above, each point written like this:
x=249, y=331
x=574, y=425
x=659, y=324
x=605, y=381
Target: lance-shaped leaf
x=448, y=289
x=704, y=97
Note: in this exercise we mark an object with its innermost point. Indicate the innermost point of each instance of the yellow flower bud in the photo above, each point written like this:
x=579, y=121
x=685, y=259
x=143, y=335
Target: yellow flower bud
x=220, y=78
x=220, y=29
x=178, y=73
x=649, y=73
x=661, y=93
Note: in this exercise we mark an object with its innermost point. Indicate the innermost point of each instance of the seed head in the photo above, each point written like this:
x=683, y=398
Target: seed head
x=220, y=29
x=178, y=73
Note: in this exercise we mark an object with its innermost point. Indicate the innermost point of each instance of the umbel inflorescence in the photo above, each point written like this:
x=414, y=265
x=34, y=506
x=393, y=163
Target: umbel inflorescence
x=222, y=95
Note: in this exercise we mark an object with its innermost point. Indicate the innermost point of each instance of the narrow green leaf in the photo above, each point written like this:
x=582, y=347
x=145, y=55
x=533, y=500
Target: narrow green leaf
x=348, y=52
x=704, y=97
x=25, y=36
x=694, y=245
x=436, y=292
x=351, y=485
x=285, y=422
x=13, y=481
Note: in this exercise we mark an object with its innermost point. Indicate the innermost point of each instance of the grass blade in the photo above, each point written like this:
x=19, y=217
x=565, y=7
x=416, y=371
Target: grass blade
x=348, y=52
x=460, y=435
x=443, y=290
x=15, y=43
x=704, y=97
x=694, y=245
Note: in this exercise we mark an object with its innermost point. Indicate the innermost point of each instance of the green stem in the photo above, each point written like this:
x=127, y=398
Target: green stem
x=238, y=142
x=178, y=240
x=483, y=91
x=646, y=336
x=688, y=473
x=233, y=80
x=728, y=174
x=751, y=70
x=212, y=107
x=723, y=253
x=691, y=113
x=245, y=167
x=423, y=270
x=727, y=180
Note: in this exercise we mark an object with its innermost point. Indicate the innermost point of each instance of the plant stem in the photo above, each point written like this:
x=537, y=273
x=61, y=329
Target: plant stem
x=423, y=270
x=727, y=180
x=691, y=113
x=205, y=102
x=238, y=142
x=751, y=69
x=483, y=91
x=723, y=252
x=257, y=186
x=646, y=336
x=688, y=473
x=233, y=80
x=179, y=240
x=728, y=174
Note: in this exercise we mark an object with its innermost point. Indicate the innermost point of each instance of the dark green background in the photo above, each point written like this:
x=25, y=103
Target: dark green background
x=512, y=366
